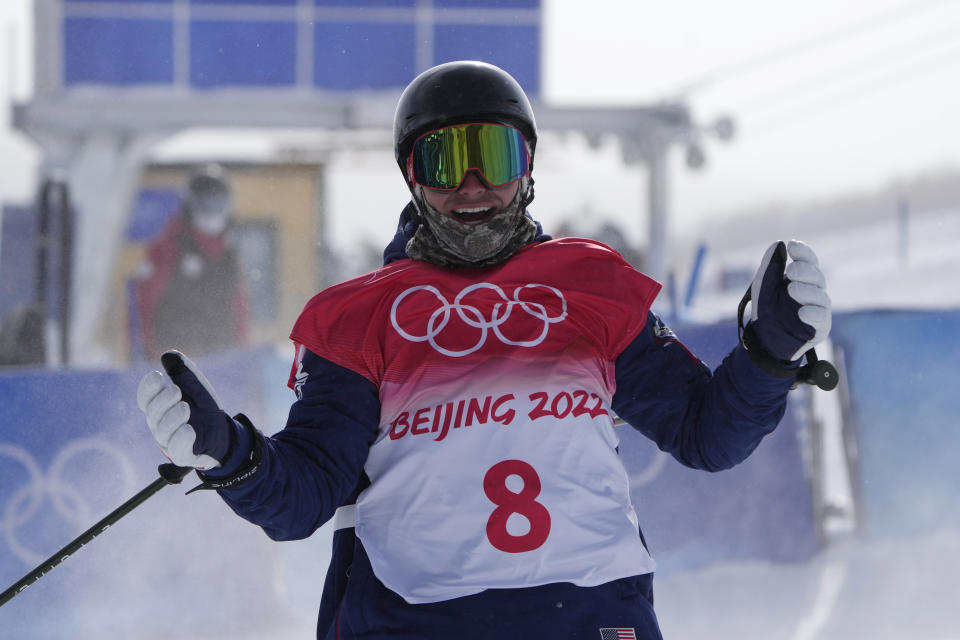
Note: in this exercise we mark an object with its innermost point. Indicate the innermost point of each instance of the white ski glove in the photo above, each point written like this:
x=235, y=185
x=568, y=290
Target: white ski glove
x=790, y=308
x=184, y=414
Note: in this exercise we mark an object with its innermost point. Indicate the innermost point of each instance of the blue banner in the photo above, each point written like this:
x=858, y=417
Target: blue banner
x=762, y=509
x=904, y=410
x=74, y=446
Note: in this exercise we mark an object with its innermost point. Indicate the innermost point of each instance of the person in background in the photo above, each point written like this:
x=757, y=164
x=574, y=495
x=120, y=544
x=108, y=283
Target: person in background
x=455, y=409
x=189, y=288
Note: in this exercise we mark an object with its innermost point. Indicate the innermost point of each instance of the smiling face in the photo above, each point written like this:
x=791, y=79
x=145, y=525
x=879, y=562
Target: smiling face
x=474, y=201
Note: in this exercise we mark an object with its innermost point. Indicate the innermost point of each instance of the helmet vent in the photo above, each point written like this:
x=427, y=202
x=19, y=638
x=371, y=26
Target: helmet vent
x=412, y=115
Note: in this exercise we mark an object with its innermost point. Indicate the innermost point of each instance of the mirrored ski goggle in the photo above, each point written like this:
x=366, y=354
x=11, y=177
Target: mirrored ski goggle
x=441, y=158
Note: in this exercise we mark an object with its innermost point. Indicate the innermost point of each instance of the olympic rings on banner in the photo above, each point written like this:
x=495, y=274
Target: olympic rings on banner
x=643, y=477
x=68, y=502
x=471, y=315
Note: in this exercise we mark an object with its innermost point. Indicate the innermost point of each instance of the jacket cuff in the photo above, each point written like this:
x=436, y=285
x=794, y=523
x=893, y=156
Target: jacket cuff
x=242, y=462
x=744, y=368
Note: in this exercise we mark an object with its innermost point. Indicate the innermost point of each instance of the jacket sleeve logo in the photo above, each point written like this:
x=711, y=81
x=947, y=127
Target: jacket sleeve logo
x=300, y=377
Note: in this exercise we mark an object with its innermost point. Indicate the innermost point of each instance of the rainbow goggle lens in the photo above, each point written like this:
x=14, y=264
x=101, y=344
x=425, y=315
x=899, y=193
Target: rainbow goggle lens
x=442, y=157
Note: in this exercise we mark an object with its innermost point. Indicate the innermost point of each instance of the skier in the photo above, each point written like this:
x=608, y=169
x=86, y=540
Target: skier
x=191, y=274
x=455, y=408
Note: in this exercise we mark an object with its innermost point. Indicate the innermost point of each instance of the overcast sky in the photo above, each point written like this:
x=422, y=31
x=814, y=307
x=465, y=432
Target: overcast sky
x=828, y=97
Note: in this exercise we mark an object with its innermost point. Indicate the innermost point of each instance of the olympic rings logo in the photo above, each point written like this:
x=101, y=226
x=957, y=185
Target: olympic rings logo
x=67, y=500
x=474, y=317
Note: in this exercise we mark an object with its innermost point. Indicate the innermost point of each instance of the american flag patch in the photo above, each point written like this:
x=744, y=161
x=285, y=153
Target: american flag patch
x=618, y=633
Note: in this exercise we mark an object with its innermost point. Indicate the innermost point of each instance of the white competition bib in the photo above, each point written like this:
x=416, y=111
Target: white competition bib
x=495, y=463
x=503, y=490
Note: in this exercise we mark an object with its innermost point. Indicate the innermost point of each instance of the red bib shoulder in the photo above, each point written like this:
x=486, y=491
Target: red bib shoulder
x=616, y=296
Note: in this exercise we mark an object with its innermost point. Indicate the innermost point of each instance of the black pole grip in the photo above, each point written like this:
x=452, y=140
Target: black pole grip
x=172, y=473
x=819, y=373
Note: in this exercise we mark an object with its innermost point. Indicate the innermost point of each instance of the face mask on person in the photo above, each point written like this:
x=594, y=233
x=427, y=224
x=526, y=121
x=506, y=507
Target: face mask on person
x=210, y=213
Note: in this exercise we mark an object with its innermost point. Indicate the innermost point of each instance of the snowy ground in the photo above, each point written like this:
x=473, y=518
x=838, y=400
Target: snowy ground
x=856, y=589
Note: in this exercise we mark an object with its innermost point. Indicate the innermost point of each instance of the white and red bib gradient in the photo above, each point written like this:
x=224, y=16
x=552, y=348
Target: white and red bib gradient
x=495, y=464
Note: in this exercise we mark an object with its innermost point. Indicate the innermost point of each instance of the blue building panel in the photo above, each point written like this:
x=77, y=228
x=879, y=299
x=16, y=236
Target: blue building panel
x=487, y=4
x=242, y=54
x=117, y=51
x=366, y=4
x=119, y=1
x=365, y=55
x=357, y=45
x=515, y=48
x=262, y=3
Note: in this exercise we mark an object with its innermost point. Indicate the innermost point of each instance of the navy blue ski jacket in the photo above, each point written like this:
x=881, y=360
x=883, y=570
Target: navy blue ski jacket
x=706, y=420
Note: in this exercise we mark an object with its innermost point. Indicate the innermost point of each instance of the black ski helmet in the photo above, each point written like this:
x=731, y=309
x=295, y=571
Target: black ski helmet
x=210, y=178
x=460, y=92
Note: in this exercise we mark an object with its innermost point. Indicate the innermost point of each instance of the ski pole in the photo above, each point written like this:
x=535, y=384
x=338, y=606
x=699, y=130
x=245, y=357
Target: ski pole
x=169, y=474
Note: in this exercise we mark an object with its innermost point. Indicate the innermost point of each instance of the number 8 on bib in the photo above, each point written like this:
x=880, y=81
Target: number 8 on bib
x=509, y=502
